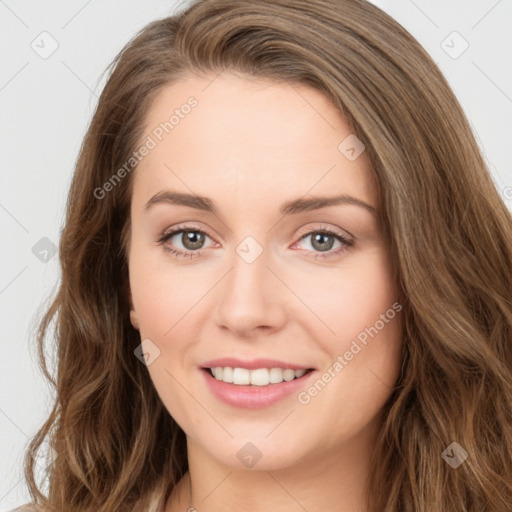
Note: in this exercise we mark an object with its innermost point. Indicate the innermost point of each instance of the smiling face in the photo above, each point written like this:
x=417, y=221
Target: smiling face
x=255, y=270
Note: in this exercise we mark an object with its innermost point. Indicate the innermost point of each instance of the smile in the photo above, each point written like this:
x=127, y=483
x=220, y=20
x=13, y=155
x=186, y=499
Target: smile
x=254, y=384
x=257, y=377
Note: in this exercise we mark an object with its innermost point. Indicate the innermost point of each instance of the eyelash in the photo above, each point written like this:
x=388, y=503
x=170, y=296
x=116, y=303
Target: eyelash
x=346, y=243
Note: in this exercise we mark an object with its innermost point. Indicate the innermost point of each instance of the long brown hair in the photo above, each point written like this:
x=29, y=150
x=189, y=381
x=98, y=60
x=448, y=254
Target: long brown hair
x=448, y=232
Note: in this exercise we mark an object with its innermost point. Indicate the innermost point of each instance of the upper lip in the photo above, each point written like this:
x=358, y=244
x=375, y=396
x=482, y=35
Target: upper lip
x=253, y=364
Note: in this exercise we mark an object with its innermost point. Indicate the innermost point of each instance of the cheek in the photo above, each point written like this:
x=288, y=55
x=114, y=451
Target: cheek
x=350, y=298
x=161, y=295
x=359, y=332
x=362, y=364
x=162, y=299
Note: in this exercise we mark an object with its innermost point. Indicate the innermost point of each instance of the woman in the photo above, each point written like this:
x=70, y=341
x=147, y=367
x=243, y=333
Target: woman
x=286, y=277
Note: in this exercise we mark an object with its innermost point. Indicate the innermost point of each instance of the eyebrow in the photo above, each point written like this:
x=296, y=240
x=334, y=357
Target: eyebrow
x=292, y=207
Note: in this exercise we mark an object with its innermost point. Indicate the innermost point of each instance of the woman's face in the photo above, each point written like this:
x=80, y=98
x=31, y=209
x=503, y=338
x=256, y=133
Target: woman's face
x=272, y=272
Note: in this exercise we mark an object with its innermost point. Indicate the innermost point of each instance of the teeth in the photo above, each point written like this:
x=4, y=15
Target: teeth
x=259, y=377
x=288, y=375
x=276, y=375
x=227, y=375
x=241, y=376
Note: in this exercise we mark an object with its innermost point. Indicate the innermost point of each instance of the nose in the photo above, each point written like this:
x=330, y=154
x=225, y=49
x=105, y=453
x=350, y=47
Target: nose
x=251, y=300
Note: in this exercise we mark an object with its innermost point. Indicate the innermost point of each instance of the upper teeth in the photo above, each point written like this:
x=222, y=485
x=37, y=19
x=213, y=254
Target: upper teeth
x=259, y=377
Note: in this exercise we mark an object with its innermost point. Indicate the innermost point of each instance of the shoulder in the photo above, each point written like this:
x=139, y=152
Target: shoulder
x=157, y=504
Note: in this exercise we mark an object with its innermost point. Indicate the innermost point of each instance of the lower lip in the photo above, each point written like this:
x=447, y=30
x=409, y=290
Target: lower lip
x=253, y=397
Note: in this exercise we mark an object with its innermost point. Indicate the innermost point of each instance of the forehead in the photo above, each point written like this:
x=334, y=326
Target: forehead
x=245, y=136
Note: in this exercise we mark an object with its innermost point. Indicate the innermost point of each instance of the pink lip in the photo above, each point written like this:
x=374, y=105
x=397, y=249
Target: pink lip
x=253, y=397
x=254, y=364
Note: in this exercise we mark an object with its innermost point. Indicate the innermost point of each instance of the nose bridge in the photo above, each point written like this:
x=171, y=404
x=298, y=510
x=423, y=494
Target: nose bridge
x=248, y=299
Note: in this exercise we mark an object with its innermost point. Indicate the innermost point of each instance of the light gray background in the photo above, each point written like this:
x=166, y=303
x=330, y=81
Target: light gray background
x=46, y=105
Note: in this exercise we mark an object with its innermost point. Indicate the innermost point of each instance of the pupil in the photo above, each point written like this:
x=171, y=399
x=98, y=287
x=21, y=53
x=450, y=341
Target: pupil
x=319, y=242
x=192, y=239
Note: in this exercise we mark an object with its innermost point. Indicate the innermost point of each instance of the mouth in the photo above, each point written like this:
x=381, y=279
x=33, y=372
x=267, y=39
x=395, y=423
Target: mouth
x=256, y=383
x=259, y=377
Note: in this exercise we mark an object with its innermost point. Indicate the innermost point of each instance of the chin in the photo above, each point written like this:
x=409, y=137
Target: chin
x=257, y=453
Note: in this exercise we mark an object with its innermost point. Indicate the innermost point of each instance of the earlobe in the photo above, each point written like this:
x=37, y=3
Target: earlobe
x=133, y=316
x=133, y=319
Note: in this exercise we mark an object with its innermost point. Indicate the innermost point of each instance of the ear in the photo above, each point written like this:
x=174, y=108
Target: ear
x=133, y=319
x=133, y=315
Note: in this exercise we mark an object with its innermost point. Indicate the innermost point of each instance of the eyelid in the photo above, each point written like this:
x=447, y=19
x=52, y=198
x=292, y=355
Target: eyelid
x=321, y=227
x=187, y=225
x=170, y=232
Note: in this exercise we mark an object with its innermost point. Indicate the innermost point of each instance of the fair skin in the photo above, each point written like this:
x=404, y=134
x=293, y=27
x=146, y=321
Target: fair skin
x=249, y=146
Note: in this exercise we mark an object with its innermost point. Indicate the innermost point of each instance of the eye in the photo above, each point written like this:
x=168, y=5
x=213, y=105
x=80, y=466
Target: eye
x=322, y=241
x=193, y=239
x=190, y=238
